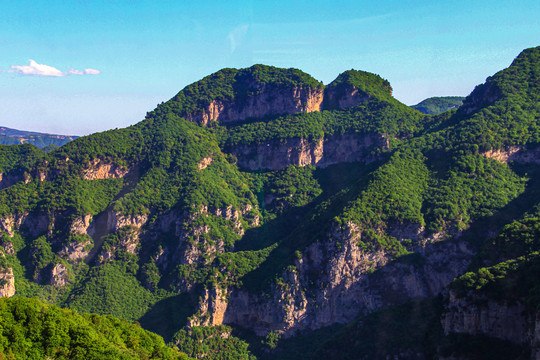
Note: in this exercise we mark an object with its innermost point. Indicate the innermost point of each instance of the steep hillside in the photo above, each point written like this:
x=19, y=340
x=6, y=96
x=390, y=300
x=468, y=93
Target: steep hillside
x=260, y=206
x=14, y=137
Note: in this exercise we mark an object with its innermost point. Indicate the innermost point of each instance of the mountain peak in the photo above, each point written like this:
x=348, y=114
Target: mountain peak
x=353, y=87
x=231, y=95
x=520, y=78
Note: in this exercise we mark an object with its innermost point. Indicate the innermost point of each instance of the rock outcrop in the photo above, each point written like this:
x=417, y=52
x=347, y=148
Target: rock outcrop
x=7, y=180
x=117, y=221
x=7, y=282
x=518, y=154
x=335, y=280
x=83, y=225
x=276, y=155
x=345, y=97
x=265, y=101
x=33, y=224
x=59, y=275
x=76, y=250
x=98, y=169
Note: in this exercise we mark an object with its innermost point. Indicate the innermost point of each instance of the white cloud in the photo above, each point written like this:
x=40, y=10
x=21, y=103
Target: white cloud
x=35, y=69
x=236, y=36
x=75, y=72
x=91, y=72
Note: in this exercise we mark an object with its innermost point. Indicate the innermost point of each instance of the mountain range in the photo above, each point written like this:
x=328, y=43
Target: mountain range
x=260, y=214
x=41, y=140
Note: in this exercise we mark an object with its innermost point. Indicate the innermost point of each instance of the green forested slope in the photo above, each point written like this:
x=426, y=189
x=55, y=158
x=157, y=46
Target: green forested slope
x=33, y=330
x=172, y=218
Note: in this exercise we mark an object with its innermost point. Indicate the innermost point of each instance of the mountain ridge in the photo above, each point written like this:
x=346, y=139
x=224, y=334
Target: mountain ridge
x=10, y=136
x=283, y=224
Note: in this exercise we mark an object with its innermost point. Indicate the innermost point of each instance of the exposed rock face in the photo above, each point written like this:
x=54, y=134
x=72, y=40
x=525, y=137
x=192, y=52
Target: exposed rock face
x=76, y=250
x=192, y=248
x=59, y=275
x=213, y=307
x=83, y=225
x=7, y=180
x=33, y=224
x=335, y=281
x=267, y=100
x=116, y=221
x=517, y=154
x=276, y=155
x=477, y=315
x=344, y=97
x=203, y=164
x=8, y=224
x=7, y=282
x=98, y=169
x=128, y=242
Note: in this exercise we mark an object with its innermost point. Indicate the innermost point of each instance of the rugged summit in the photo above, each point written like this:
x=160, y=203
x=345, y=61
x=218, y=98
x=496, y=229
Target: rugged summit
x=232, y=95
x=260, y=199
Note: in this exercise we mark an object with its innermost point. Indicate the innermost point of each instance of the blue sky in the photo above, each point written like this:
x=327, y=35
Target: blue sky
x=113, y=61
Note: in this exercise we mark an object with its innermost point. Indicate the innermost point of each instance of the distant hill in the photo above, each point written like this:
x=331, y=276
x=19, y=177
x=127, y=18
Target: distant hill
x=41, y=140
x=440, y=104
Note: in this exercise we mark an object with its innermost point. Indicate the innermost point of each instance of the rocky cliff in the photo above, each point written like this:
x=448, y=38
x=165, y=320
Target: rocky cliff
x=476, y=314
x=266, y=101
x=335, y=281
x=322, y=152
x=7, y=282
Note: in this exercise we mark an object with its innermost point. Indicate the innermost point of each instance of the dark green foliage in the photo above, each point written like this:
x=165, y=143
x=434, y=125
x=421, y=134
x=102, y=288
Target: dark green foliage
x=437, y=105
x=212, y=343
x=50, y=148
x=18, y=158
x=41, y=255
x=511, y=280
x=516, y=239
x=394, y=196
x=227, y=269
x=169, y=314
x=33, y=330
x=111, y=289
x=291, y=187
x=505, y=110
x=121, y=145
x=472, y=188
